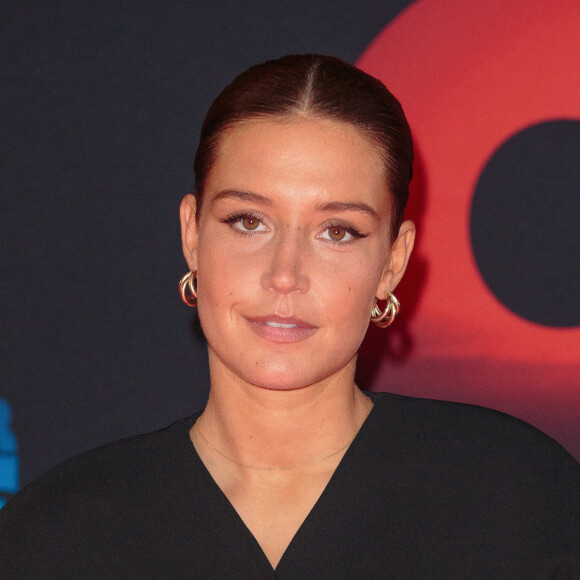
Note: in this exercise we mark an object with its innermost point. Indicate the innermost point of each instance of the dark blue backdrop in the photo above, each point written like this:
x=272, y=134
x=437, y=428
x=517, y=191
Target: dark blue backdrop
x=104, y=103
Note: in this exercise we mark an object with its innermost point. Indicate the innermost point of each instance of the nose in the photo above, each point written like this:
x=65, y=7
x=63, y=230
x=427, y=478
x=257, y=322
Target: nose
x=285, y=269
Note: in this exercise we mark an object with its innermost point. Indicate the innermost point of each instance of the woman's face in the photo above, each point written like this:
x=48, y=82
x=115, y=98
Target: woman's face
x=291, y=248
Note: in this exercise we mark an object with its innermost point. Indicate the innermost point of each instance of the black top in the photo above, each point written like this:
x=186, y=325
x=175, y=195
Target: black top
x=428, y=489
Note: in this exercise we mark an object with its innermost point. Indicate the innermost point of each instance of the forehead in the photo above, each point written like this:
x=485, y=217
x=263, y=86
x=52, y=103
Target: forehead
x=299, y=155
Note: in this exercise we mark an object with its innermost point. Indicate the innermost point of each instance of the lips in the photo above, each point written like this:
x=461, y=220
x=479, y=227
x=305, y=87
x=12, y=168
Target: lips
x=279, y=329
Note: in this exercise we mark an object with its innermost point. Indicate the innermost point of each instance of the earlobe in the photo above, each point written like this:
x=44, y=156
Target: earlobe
x=400, y=253
x=187, y=216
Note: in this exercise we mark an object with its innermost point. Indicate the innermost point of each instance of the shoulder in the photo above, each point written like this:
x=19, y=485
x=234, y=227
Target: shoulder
x=125, y=457
x=472, y=439
x=99, y=480
x=464, y=424
x=483, y=473
x=95, y=510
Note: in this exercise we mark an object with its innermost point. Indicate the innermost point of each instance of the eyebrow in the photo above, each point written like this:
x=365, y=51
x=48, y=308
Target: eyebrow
x=330, y=206
x=348, y=206
x=242, y=195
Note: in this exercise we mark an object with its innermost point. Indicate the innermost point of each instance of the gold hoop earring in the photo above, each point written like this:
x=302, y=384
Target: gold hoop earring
x=187, y=288
x=387, y=316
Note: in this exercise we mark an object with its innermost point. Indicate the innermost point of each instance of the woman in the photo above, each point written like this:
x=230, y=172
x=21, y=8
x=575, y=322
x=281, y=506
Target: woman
x=294, y=239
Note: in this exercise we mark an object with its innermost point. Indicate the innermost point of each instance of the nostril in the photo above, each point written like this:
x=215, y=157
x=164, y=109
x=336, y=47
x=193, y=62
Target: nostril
x=284, y=281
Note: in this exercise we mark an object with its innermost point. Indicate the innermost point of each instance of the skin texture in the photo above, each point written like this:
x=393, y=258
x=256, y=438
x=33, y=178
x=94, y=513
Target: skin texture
x=294, y=231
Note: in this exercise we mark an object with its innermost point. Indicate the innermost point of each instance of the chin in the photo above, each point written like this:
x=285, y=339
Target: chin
x=288, y=377
x=287, y=380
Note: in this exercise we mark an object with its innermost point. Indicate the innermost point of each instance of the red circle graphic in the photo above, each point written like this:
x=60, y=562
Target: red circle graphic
x=470, y=75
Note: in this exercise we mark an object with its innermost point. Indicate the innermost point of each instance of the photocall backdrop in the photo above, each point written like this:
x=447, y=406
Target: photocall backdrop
x=104, y=104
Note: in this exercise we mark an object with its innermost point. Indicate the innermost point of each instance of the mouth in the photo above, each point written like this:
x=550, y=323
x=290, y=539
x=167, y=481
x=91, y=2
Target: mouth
x=278, y=329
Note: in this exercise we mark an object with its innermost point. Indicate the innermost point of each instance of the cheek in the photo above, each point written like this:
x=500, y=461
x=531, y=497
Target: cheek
x=228, y=281
x=349, y=294
x=220, y=277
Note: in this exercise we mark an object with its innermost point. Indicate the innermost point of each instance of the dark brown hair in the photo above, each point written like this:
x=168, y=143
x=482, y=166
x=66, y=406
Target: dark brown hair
x=317, y=86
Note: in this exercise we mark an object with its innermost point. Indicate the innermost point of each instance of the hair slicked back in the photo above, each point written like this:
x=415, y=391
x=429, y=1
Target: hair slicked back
x=321, y=87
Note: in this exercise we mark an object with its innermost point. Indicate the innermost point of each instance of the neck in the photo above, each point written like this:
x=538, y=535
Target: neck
x=272, y=428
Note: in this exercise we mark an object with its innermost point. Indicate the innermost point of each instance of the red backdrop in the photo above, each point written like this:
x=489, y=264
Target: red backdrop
x=470, y=75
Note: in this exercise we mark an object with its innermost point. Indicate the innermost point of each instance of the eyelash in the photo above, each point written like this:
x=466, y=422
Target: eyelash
x=356, y=234
x=237, y=217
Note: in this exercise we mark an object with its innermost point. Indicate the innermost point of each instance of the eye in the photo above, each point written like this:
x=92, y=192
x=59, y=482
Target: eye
x=245, y=222
x=341, y=234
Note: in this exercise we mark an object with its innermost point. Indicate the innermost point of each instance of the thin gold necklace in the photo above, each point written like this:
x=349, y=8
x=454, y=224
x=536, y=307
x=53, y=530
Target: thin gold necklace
x=295, y=466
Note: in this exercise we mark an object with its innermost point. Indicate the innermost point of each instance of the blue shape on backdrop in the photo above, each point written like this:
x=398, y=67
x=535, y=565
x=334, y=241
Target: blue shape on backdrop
x=9, y=464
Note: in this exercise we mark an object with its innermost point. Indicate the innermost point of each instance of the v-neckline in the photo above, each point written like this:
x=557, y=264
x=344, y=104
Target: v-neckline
x=229, y=507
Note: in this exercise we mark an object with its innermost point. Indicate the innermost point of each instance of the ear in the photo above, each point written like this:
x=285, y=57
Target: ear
x=398, y=259
x=187, y=213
